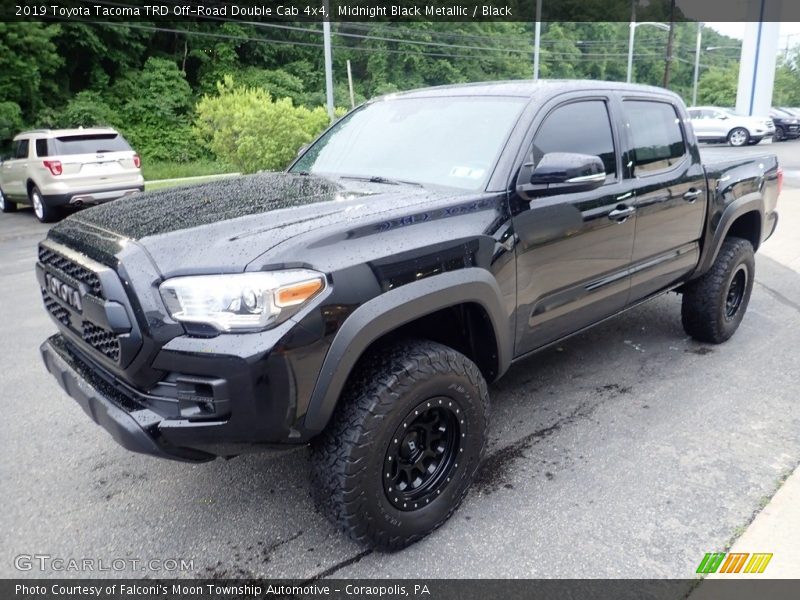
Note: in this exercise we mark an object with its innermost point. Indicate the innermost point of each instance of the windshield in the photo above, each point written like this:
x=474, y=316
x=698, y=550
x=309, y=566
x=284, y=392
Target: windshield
x=447, y=141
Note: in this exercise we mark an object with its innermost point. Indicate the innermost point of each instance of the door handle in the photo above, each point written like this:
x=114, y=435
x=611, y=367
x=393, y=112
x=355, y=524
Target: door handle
x=692, y=195
x=621, y=214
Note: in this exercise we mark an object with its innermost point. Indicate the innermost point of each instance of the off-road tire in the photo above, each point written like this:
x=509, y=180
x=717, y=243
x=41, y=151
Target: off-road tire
x=706, y=307
x=349, y=459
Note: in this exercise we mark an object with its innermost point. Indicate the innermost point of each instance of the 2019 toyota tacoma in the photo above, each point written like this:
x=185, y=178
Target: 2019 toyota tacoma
x=361, y=301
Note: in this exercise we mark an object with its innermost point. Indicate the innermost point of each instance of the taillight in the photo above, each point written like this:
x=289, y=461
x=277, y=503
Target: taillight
x=54, y=166
x=780, y=180
x=137, y=162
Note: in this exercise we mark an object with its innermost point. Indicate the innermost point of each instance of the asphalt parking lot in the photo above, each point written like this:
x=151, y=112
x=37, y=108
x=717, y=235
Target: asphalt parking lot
x=628, y=451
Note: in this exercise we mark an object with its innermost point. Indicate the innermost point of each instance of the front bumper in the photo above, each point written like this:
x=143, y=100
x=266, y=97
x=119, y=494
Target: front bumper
x=133, y=427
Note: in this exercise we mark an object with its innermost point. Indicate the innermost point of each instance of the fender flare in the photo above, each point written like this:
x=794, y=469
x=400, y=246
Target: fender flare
x=393, y=309
x=748, y=203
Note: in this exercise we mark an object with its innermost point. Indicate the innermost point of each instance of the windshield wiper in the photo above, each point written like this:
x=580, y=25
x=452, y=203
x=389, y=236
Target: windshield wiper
x=379, y=179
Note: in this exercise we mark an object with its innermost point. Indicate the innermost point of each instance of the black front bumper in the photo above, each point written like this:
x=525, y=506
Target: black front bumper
x=133, y=427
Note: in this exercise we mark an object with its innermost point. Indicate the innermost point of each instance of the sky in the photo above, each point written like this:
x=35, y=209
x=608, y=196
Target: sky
x=789, y=32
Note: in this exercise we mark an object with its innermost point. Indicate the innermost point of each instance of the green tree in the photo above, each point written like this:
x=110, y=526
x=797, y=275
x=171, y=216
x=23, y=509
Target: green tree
x=717, y=87
x=29, y=63
x=85, y=109
x=787, y=81
x=10, y=122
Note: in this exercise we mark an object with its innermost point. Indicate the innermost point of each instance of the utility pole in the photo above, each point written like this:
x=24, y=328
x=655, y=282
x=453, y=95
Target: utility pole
x=668, y=59
x=537, y=37
x=697, y=62
x=326, y=41
x=631, y=34
x=350, y=85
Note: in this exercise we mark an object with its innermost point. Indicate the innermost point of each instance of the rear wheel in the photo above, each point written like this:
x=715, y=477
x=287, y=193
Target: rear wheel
x=714, y=305
x=400, y=452
x=45, y=214
x=738, y=136
x=6, y=205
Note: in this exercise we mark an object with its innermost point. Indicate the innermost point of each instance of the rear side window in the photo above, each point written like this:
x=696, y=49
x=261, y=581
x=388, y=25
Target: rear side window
x=20, y=149
x=90, y=144
x=656, y=135
x=580, y=127
x=41, y=148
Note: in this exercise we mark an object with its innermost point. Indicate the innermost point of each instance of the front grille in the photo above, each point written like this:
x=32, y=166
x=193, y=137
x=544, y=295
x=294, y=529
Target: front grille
x=71, y=268
x=102, y=340
x=54, y=308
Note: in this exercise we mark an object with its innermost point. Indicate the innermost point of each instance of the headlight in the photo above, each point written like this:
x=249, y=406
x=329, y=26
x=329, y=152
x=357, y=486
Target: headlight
x=240, y=302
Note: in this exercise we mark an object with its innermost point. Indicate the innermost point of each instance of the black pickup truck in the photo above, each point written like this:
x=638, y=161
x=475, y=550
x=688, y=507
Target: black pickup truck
x=361, y=301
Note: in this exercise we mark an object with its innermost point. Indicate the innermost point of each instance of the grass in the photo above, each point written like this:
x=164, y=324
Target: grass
x=160, y=185
x=174, y=170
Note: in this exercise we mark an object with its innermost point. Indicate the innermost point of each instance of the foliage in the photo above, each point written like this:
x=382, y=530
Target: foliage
x=28, y=65
x=246, y=128
x=85, y=109
x=717, y=87
x=10, y=121
x=147, y=82
x=787, y=81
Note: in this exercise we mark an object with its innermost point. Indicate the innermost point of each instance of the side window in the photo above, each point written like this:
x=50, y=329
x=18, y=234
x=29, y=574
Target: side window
x=21, y=149
x=695, y=114
x=581, y=127
x=41, y=148
x=656, y=135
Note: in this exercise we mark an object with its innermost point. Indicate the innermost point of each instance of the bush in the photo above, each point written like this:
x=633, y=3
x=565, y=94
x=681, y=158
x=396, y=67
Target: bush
x=86, y=109
x=246, y=128
x=10, y=121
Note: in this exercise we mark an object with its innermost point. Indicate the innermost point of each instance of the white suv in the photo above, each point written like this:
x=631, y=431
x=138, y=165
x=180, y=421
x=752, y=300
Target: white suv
x=52, y=168
x=714, y=124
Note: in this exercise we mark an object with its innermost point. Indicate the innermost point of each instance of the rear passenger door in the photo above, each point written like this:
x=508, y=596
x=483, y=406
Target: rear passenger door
x=574, y=251
x=670, y=187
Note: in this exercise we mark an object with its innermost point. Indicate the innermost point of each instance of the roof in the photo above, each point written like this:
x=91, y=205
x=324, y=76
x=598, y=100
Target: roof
x=525, y=88
x=51, y=133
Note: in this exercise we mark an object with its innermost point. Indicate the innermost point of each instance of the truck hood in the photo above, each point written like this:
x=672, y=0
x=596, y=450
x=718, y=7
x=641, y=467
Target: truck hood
x=224, y=225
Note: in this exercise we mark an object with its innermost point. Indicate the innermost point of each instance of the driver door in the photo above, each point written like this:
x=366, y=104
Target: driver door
x=574, y=250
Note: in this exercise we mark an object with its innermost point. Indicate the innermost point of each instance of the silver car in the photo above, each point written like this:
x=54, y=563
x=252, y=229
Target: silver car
x=52, y=168
x=714, y=124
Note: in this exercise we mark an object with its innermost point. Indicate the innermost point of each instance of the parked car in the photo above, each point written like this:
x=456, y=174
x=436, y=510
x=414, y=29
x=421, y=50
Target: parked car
x=52, y=168
x=361, y=301
x=714, y=124
x=795, y=112
x=787, y=125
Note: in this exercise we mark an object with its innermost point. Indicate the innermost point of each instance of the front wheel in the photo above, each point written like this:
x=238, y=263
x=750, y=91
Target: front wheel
x=401, y=450
x=6, y=205
x=738, y=136
x=780, y=135
x=713, y=306
x=45, y=214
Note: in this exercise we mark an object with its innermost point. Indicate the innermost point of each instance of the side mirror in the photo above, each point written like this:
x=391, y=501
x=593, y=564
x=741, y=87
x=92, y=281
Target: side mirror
x=724, y=117
x=560, y=173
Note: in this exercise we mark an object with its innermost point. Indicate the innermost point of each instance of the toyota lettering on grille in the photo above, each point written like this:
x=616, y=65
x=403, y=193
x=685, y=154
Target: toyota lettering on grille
x=66, y=293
